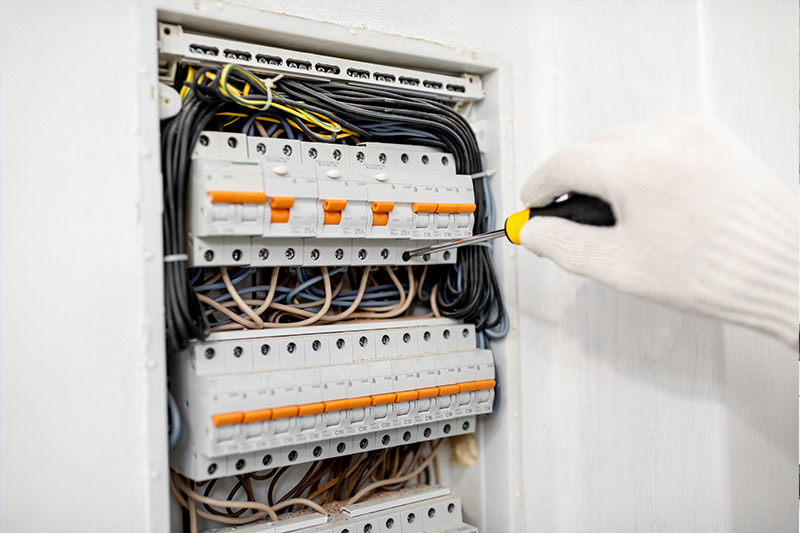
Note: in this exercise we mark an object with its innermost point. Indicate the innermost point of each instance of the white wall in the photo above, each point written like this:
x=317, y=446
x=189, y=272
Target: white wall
x=639, y=418
x=635, y=418
x=80, y=423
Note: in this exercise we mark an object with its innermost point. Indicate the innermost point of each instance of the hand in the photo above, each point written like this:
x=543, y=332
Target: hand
x=701, y=223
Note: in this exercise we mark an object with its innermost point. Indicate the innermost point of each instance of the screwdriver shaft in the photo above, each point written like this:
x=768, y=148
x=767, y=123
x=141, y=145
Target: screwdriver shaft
x=434, y=248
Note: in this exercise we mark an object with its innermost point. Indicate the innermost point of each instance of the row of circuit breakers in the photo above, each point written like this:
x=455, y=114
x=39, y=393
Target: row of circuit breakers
x=257, y=400
x=278, y=202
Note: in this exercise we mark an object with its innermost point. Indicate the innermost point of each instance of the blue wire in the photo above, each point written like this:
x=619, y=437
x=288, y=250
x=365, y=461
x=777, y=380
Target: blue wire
x=175, y=415
x=395, y=129
x=195, y=275
x=312, y=281
x=250, y=290
x=490, y=207
x=250, y=124
x=236, y=278
x=368, y=304
x=502, y=328
x=372, y=296
x=301, y=275
x=481, y=341
x=287, y=293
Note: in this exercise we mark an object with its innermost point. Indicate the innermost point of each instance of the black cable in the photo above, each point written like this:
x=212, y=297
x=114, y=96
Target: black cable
x=185, y=316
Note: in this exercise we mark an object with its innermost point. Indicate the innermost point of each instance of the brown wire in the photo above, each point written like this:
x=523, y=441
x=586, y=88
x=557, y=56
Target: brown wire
x=265, y=476
x=386, y=483
x=270, y=492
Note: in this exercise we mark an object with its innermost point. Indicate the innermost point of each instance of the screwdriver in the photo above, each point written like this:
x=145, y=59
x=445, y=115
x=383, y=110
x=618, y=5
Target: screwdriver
x=571, y=206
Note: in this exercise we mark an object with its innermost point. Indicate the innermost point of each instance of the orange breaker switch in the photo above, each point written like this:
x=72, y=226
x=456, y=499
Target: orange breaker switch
x=380, y=213
x=336, y=405
x=406, y=396
x=227, y=419
x=486, y=384
x=447, y=390
x=381, y=399
x=469, y=386
x=285, y=412
x=279, y=207
x=361, y=401
x=422, y=207
x=258, y=415
x=333, y=211
x=429, y=392
x=446, y=208
x=237, y=197
x=310, y=409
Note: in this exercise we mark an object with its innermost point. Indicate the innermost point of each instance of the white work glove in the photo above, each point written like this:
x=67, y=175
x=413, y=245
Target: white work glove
x=701, y=224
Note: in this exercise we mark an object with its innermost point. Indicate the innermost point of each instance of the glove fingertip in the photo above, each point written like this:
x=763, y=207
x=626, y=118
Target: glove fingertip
x=573, y=246
x=541, y=235
x=528, y=237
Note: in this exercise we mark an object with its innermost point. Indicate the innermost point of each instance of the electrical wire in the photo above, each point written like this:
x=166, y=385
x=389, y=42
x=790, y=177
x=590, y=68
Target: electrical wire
x=395, y=480
x=379, y=301
x=184, y=316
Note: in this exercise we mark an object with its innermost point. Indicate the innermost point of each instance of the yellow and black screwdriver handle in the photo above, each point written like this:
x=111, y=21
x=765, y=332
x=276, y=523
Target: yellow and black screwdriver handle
x=577, y=208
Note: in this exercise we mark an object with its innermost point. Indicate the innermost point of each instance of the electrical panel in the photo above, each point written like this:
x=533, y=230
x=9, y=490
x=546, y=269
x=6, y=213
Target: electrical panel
x=314, y=370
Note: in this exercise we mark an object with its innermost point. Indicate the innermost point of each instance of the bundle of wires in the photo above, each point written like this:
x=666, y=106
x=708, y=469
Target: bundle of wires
x=218, y=98
x=184, y=314
x=301, y=297
x=346, y=480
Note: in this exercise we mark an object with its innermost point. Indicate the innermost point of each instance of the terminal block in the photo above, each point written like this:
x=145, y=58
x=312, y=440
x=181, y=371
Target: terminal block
x=255, y=400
